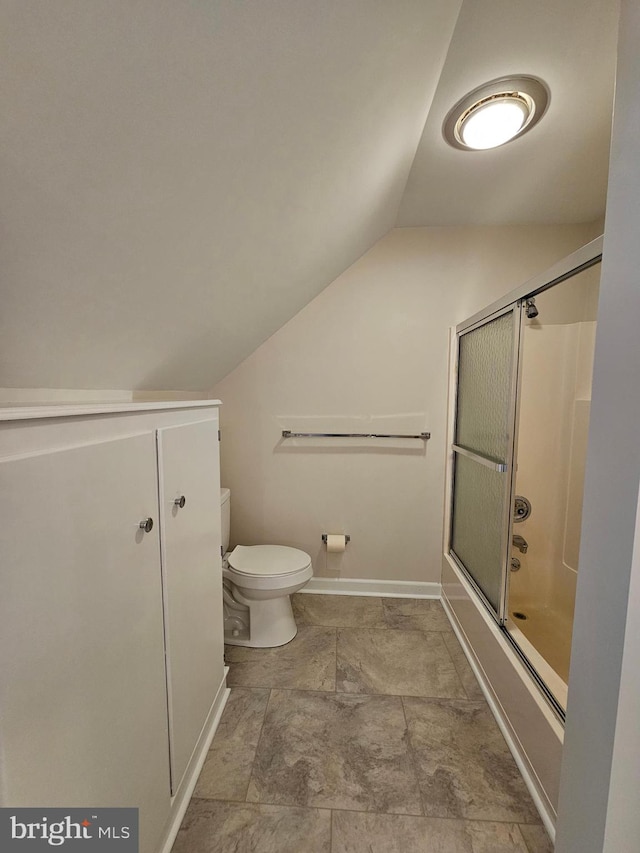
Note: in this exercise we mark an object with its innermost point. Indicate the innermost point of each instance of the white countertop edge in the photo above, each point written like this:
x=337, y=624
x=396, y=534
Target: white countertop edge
x=21, y=412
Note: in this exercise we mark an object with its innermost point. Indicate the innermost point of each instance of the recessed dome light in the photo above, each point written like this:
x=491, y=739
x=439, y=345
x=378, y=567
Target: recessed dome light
x=493, y=121
x=496, y=112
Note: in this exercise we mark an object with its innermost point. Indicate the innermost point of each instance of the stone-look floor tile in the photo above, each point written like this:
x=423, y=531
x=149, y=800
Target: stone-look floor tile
x=468, y=679
x=338, y=751
x=399, y=663
x=227, y=768
x=355, y=832
x=219, y=827
x=536, y=839
x=308, y=662
x=415, y=614
x=338, y=611
x=464, y=765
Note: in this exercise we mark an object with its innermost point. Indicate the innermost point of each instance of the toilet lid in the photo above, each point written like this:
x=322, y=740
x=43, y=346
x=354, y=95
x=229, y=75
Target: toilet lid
x=268, y=559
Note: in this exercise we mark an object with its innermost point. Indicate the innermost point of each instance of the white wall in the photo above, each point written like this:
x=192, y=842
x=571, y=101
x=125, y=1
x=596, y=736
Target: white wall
x=369, y=354
x=623, y=818
x=598, y=810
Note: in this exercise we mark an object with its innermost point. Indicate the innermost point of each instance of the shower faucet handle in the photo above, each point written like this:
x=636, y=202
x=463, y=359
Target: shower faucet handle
x=520, y=543
x=521, y=509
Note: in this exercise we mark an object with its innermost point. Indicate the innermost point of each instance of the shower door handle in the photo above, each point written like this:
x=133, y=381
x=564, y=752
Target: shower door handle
x=501, y=467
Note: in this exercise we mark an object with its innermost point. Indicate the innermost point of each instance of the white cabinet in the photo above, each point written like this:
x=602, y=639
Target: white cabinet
x=189, y=478
x=103, y=626
x=81, y=662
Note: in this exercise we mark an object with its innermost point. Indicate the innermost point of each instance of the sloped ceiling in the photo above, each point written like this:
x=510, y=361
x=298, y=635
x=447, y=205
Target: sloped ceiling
x=179, y=179
x=556, y=173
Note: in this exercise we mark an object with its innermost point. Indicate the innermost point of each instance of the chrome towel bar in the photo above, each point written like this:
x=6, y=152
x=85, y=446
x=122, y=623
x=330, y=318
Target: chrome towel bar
x=286, y=433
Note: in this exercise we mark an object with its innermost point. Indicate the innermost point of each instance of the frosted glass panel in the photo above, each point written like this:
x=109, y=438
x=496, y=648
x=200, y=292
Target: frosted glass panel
x=478, y=524
x=484, y=388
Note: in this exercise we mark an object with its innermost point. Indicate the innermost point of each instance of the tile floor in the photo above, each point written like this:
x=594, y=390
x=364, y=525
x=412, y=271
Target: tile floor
x=367, y=733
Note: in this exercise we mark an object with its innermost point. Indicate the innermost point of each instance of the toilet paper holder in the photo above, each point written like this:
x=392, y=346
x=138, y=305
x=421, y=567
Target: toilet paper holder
x=347, y=538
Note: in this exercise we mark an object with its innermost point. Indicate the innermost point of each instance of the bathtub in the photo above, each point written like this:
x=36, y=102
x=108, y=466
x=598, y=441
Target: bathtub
x=531, y=727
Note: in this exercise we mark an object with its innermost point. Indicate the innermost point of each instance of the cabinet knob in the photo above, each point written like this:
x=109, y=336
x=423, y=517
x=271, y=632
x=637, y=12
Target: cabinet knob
x=147, y=525
x=181, y=501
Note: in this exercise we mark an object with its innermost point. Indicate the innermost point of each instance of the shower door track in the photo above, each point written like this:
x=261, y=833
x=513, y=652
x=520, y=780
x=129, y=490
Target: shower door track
x=582, y=259
x=533, y=672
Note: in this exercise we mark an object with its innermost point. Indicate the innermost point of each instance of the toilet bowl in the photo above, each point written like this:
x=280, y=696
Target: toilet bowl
x=257, y=582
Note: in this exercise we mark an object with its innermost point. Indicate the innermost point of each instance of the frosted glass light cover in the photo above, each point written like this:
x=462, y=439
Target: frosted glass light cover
x=484, y=388
x=495, y=112
x=493, y=124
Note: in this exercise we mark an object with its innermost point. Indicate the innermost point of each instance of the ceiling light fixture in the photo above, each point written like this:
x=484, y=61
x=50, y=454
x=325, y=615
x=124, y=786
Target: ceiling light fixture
x=496, y=112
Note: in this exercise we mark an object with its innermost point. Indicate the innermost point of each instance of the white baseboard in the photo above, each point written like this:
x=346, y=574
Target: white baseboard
x=384, y=589
x=182, y=799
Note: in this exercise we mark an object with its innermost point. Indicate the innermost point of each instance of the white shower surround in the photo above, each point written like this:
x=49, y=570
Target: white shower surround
x=552, y=439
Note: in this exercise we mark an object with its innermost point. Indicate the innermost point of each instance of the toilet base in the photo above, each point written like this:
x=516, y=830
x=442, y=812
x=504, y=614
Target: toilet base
x=271, y=624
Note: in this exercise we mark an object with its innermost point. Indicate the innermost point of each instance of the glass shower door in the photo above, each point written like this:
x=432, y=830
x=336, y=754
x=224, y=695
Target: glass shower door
x=483, y=455
x=522, y=404
x=557, y=349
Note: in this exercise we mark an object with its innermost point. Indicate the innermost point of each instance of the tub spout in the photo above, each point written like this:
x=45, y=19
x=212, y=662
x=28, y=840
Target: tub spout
x=520, y=543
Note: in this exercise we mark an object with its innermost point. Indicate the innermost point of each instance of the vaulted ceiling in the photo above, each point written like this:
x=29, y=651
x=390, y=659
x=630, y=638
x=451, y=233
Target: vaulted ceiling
x=179, y=179
x=557, y=173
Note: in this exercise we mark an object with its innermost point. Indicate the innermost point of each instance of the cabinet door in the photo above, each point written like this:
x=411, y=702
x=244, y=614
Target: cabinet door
x=190, y=536
x=82, y=682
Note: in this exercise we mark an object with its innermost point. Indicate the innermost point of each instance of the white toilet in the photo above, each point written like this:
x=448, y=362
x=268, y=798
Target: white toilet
x=257, y=582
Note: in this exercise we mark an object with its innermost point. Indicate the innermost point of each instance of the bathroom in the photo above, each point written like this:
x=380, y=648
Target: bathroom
x=325, y=338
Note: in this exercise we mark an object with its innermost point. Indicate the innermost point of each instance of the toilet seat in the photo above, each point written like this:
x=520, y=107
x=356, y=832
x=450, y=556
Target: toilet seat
x=265, y=561
x=263, y=570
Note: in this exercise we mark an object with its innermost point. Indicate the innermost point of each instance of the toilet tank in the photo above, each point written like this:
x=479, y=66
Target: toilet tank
x=225, y=515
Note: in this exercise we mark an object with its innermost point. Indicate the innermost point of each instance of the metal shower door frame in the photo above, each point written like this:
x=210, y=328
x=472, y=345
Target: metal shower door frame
x=507, y=468
x=582, y=259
